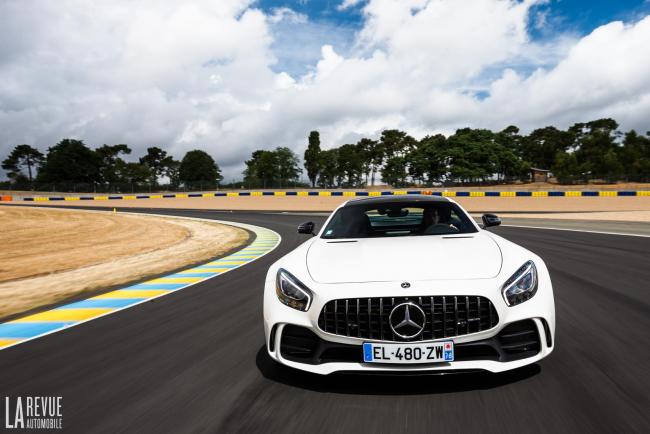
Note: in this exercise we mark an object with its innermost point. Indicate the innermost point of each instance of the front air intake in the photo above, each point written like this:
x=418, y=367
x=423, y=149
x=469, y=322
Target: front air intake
x=519, y=340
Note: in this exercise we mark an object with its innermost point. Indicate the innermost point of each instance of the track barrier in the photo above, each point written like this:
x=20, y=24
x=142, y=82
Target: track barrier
x=595, y=193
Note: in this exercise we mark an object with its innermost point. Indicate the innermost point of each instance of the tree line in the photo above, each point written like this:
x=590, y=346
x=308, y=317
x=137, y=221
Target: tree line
x=71, y=164
x=594, y=150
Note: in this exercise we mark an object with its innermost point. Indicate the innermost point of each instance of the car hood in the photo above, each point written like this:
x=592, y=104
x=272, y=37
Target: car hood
x=470, y=256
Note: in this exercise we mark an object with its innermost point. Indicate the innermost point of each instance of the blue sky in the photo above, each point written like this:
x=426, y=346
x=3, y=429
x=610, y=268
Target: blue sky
x=234, y=76
x=319, y=10
x=328, y=24
x=582, y=15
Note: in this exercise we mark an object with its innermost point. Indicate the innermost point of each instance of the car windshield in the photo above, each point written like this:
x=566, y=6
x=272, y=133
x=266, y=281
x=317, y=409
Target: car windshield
x=391, y=219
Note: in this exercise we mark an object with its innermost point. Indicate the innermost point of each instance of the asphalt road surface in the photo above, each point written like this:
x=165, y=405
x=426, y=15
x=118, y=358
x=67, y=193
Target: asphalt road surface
x=194, y=361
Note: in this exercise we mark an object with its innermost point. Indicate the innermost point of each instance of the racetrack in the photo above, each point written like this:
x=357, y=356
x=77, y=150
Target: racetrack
x=194, y=360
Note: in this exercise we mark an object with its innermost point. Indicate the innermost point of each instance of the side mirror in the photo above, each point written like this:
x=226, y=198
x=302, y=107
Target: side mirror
x=490, y=220
x=306, y=228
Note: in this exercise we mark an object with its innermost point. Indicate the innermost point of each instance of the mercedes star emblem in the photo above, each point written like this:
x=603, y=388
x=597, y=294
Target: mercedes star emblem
x=406, y=285
x=407, y=320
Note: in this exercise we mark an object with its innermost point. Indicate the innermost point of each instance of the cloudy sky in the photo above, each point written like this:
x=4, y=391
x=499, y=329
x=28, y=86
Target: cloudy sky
x=231, y=76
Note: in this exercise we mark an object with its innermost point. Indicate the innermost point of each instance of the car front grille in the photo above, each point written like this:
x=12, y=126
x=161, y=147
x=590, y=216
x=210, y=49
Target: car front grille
x=446, y=316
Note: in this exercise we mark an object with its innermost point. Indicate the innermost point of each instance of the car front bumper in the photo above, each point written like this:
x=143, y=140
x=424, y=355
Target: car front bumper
x=294, y=338
x=292, y=346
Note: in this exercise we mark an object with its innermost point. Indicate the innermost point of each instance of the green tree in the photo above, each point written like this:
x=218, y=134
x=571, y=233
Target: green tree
x=288, y=165
x=374, y=156
x=70, y=161
x=541, y=146
x=366, y=149
x=596, y=148
x=198, y=166
x=158, y=161
x=428, y=160
x=565, y=167
x=312, y=157
x=472, y=155
x=394, y=171
x=634, y=155
x=172, y=171
x=262, y=169
x=329, y=168
x=510, y=138
x=135, y=173
x=507, y=148
x=350, y=166
x=22, y=157
x=396, y=143
x=612, y=167
x=110, y=162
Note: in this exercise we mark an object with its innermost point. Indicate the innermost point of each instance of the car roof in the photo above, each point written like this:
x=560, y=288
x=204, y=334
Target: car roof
x=410, y=198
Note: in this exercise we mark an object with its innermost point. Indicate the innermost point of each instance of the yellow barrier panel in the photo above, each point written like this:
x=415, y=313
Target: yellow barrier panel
x=280, y=193
x=207, y=195
x=507, y=194
x=540, y=193
x=399, y=193
x=155, y=196
x=572, y=193
x=71, y=198
x=128, y=197
x=324, y=193
x=181, y=196
x=449, y=193
x=374, y=193
x=256, y=193
x=303, y=193
x=100, y=198
x=643, y=193
x=349, y=193
x=232, y=194
x=476, y=193
x=607, y=193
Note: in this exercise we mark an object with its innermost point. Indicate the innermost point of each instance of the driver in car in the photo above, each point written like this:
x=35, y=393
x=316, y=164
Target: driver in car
x=437, y=221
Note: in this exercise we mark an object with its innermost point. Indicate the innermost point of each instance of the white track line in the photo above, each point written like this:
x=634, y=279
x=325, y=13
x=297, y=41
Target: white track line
x=578, y=230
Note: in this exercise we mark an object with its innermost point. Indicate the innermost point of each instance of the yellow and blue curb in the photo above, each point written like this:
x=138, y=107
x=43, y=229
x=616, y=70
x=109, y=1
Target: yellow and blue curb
x=593, y=193
x=61, y=318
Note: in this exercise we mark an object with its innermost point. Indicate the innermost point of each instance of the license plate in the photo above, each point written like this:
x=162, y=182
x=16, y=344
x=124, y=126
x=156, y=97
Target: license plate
x=420, y=352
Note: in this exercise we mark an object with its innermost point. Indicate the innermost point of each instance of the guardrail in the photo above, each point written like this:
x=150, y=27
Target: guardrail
x=626, y=193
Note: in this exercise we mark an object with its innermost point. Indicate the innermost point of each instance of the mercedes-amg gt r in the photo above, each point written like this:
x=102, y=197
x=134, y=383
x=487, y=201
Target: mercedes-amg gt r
x=407, y=283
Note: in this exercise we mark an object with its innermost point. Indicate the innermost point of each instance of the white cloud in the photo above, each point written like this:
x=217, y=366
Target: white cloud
x=204, y=74
x=346, y=4
x=287, y=14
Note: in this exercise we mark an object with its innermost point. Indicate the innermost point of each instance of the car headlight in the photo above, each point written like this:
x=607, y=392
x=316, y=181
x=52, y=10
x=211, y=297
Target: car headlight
x=521, y=286
x=291, y=291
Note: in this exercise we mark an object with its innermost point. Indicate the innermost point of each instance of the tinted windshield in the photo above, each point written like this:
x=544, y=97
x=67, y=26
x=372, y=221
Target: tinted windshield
x=398, y=219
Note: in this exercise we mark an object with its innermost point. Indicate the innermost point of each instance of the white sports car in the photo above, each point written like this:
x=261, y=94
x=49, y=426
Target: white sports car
x=407, y=283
